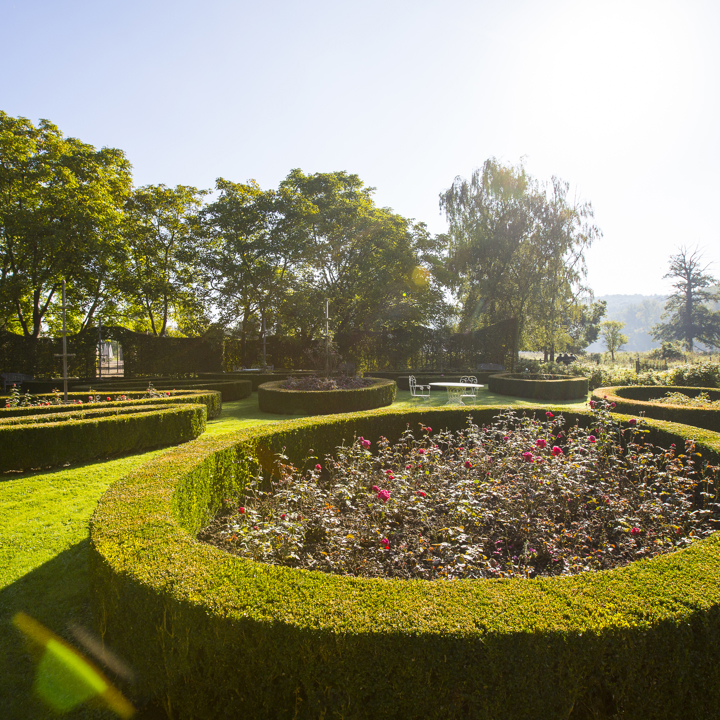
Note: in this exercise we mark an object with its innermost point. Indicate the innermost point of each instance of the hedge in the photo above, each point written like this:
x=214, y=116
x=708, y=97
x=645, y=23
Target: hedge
x=211, y=399
x=554, y=387
x=633, y=400
x=273, y=398
x=230, y=390
x=213, y=635
x=48, y=440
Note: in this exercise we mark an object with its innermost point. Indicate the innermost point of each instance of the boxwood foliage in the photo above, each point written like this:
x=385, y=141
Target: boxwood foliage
x=217, y=636
x=230, y=390
x=211, y=399
x=275, y=399
x=558, y=387
x=47, y=440
x=634, y=400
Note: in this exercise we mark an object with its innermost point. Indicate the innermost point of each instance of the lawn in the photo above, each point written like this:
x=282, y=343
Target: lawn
x=44, y=548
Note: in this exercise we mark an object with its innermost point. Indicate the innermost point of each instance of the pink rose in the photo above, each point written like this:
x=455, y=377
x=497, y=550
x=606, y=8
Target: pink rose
x=242, y=510
x=421, y=493
x=527, y=456
x=632, y=422
x=556, y=450
x=383, y=495
x=421, y=451
x=375, y=488
x=386, y=543
x=318, y=467
x=468, y=464
x=549, y=414
x=429, y=429
x=541, y=443
x=635, y=531
x=592, y=438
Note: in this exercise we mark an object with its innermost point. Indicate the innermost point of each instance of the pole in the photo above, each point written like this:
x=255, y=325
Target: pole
x=64, y=332
x=100, y=350
x=327, y=338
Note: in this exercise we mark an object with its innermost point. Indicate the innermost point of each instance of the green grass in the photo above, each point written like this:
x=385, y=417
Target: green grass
x=44, y=546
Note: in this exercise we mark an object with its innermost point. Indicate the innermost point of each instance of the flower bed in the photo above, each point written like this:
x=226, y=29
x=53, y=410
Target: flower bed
x=315, y=384
x=215, y=635
x=517, y=498
x=539, y=387
x=274, y=397
x=638, y=399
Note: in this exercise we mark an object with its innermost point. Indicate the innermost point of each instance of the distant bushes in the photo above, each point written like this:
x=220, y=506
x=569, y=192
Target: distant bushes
x=705, y=374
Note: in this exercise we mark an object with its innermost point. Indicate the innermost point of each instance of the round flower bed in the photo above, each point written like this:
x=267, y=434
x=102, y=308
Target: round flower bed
x=216, y=635
x=539, y=387
x=648, y=400
x=316, y=396
x=517, y=498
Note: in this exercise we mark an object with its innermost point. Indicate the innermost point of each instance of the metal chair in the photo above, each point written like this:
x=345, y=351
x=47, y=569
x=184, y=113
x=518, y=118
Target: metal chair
x=418, y=391
x=470, y=392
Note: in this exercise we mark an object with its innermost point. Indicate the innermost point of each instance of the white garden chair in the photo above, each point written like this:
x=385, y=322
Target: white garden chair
x=418, y=392
x=470, y=392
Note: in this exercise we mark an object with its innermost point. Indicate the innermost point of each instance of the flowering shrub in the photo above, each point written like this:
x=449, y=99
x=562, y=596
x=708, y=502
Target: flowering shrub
x=316, y=383
x=486, y=502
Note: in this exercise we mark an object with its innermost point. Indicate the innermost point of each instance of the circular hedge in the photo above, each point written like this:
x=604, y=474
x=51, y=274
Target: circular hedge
x=218, y=636
x=273, y=398
x=539, y=387
x=634, y=400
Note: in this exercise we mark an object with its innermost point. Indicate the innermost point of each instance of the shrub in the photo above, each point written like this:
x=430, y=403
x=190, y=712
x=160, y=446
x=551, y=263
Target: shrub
x=218, y=636
x=636, y=400
x=275, y=398
x=69, y=437
x=211, y=399
x=539, y=387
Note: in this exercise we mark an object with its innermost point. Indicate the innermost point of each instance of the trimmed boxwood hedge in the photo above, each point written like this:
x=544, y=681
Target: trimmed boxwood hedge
x=211, y=399
x=273, y=398
x=213, y=635
x=633, y=400
x=47, y=440
x=230, y=390
x=555, y=387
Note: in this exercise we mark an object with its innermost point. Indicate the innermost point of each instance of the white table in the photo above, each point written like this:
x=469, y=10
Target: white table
x=455, y=390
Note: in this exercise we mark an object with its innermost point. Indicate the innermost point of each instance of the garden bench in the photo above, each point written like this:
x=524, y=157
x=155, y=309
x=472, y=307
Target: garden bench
x=418, y=391
x=14, y=379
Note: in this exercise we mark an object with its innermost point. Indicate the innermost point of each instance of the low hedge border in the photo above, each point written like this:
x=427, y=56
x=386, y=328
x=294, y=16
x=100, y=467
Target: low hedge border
x=217, y=636
x=273, y=398
x=557, y=388
x=633, y=400
x=49, y=440
x=212, y=401
x=230, y=390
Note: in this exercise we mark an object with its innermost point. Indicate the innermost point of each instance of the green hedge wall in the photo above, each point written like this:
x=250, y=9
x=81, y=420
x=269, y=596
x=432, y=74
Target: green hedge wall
x=558, y=388
x=217, y=636
x=633, y=400
x=48, y=440
x=212, y=401
x=230, y=390
x=273, y=398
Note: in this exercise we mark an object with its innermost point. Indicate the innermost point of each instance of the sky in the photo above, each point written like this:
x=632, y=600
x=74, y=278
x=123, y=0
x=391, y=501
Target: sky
x=618, y=98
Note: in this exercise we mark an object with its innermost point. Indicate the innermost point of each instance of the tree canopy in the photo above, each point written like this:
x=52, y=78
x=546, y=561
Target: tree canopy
x=687, y=316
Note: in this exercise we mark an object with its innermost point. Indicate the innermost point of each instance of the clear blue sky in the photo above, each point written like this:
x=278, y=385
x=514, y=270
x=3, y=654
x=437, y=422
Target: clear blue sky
x=620, y=98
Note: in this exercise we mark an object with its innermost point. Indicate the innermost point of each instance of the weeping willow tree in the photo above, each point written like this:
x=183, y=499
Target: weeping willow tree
x=516, y=250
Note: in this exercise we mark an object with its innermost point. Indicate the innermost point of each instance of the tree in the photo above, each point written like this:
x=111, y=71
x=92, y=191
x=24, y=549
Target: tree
x=686, y=316
x=60, y=209
x=516, y=250
x=584, y=325
x=612, y=336
x=161, y=272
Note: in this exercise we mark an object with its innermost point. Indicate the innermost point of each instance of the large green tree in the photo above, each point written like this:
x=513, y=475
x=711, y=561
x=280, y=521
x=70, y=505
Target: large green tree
x=371, y=263
x=161, y=275
x=60, y=209
x=687, y=317
x=516, y=249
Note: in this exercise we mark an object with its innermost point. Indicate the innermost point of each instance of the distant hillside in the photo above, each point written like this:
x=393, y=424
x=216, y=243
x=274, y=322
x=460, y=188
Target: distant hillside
x=639, y=313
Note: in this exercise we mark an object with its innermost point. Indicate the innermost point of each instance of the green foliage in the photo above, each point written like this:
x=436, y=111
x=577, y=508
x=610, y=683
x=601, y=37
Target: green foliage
x=48, y=440
x=272, y=397
x=638, y=400
x=60, y=208
x=539, y=387
x=318, y=645
x=612, y=336
x=687, y=316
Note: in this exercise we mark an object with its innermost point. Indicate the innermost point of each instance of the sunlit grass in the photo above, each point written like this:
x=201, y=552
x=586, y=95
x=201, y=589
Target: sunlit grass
x=44, y=544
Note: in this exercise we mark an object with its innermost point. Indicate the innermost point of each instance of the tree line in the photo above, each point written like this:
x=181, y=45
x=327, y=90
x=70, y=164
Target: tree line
x=181, y=260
